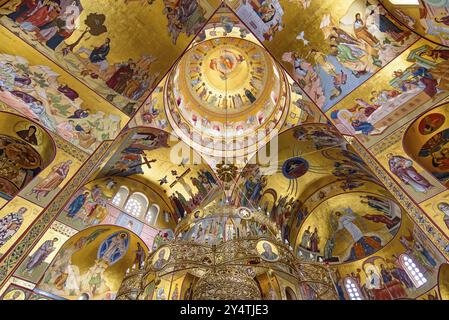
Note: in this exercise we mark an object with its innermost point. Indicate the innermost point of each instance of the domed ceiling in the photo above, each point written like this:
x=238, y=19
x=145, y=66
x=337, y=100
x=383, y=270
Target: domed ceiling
x=224, y=90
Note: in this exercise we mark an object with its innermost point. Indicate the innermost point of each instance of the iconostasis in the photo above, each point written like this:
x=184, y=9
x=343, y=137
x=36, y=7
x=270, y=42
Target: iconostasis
x=96, y=98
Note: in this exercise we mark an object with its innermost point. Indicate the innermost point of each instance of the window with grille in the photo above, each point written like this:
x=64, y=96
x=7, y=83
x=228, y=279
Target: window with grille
x=136, y=204
x=120, y=196
x=352, y=289
x=152, y=214
x=414, y=271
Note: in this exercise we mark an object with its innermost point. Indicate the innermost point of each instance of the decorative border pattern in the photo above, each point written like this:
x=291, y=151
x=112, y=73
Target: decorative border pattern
x=69, y=148
x=63, y=229
x=42, y=223
x=440, y=240
x=390, y=140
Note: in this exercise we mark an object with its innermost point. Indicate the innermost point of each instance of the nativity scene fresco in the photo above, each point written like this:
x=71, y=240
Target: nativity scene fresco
x=224, y=150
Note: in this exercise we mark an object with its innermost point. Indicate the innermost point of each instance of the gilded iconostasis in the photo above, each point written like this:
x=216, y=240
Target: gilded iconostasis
x=244, y=149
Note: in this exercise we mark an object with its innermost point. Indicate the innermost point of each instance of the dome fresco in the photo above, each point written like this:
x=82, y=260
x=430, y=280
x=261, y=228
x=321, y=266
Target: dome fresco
x=223, y=91
x=224, y=150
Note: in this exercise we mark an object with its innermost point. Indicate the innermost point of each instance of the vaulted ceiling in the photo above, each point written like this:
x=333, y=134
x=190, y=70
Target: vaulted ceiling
x=157, y=75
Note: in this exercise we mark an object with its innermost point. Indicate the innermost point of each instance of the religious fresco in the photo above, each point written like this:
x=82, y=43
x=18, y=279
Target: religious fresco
x=15, y=218
x=429, y=18
x=270, y=285
x=156, y=185
x=383, y=276
x=225, y=23
x=91, y=264
x=438, y=209
x=26, y=149
x=197, y=100
x=151, y=113
x=310, y=157
x=95, y=204
x=222, y=91
x=43, y=92
x=361, y=228
x=361, y=36
x=216, y=229
x=264, y=18
x=162, y=289
x=425, y=141
x=211, y=114
x=102, y=48
x=404, y=89
x=430, y=295
x=45, y=250
x=155, y=157
x=268, y=251
x=406, y=170
x=52, y=179
x=443, y=282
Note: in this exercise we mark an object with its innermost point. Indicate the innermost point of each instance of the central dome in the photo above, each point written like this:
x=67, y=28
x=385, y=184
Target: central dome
x=227, y=77
x=222, y=92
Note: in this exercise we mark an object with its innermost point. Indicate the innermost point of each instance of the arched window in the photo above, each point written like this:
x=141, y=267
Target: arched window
x=152, y=214
x=137, y=204
x=290, y=294
x=352, y=289
x=414, y=271
x=120, y=197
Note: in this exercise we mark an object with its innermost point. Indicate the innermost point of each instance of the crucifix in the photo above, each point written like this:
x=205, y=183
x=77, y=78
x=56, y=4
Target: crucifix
x=148, y=162
x=178, y=178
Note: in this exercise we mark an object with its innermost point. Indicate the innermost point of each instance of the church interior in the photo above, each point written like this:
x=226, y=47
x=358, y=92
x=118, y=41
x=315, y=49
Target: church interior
x=224, y=150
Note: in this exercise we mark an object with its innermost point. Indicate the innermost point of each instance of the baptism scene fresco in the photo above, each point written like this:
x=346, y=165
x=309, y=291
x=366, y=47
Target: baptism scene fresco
x=245, y=149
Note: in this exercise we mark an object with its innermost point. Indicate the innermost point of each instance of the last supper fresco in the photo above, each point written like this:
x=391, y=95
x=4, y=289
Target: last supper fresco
x=224, y=150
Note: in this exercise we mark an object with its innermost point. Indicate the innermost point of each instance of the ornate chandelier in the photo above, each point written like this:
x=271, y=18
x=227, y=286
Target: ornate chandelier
x=240, y=265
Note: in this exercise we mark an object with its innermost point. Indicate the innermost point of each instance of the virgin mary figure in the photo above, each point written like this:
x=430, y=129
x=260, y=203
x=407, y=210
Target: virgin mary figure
x=404, y=170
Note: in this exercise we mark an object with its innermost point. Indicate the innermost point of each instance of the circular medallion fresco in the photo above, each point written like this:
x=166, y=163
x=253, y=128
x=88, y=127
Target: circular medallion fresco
x=431, y=123
x=161, y=258
x=244, y=213
x=15, y=294
x=228, y=75
x=267, y=251
x=294, y=168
